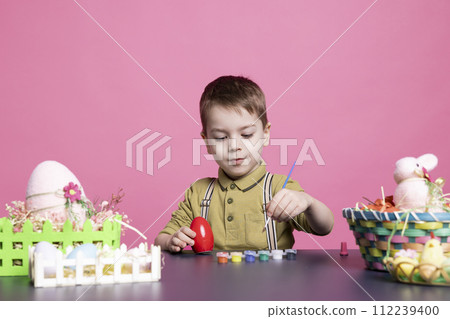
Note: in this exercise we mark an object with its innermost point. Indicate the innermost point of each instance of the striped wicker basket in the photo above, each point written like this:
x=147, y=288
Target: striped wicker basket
x=372, y=230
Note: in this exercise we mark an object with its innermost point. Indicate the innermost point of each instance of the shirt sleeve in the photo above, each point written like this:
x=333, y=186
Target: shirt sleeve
x=299, y=222
x=183, y=216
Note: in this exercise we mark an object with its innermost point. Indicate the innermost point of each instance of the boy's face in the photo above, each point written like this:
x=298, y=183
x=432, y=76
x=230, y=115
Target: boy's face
x=236, y=140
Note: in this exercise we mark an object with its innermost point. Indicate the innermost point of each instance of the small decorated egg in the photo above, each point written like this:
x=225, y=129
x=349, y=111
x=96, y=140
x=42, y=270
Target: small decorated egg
x=48, y=251
x=87, y=251
x=204, y=239
x=405, y=265
x=428, y=272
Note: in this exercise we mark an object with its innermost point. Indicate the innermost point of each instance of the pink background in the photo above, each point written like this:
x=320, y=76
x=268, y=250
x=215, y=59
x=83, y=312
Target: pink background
x=69, y=93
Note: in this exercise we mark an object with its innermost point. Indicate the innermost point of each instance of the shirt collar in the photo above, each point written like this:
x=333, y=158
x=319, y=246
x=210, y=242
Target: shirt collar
x=244, y=183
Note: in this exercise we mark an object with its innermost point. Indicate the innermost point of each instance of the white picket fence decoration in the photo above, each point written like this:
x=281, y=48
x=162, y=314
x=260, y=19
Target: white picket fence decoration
x=148, y=259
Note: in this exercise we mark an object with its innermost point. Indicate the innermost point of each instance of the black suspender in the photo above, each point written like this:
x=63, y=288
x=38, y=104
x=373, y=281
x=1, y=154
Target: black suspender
x=270, y=227
x=207, y=199
x=267, y=197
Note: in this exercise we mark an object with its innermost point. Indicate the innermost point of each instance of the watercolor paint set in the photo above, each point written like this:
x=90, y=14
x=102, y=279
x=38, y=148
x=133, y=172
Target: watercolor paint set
x=251, y=256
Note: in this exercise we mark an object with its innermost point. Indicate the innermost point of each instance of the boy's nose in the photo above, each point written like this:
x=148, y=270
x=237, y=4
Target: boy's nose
x=235, y=144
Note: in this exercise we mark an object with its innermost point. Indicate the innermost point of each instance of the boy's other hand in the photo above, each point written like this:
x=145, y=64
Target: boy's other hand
x=287, y=204
x=182, y=237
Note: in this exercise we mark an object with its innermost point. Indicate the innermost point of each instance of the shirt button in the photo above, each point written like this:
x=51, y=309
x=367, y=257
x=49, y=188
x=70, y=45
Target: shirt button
x=230, y=218
x=232, y=186
x=230, y=200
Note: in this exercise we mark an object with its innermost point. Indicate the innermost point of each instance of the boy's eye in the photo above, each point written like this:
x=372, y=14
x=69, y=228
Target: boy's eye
x=220, y=138
x=247, y=135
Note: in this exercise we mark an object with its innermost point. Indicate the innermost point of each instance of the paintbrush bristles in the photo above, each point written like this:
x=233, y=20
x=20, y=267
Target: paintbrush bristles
x=268, y=219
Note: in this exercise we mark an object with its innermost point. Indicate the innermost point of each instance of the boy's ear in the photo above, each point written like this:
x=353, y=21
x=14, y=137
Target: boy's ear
x=267, y=134
x=209, y=148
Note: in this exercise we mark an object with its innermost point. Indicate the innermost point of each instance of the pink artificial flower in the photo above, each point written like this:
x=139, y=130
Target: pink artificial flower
x=410, y=253
x=72, y=192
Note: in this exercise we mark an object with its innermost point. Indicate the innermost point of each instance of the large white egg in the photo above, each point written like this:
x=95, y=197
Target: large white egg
x=45, y=193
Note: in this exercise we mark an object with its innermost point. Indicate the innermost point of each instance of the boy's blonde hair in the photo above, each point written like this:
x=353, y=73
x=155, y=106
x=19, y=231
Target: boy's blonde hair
x=233, y=92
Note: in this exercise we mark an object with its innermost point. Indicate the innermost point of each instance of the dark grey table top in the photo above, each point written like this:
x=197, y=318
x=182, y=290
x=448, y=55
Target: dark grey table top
x=314, y=275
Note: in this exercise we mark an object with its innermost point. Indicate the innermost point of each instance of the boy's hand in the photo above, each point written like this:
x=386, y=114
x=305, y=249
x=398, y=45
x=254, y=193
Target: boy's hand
x=183, y=237
x=287, y=204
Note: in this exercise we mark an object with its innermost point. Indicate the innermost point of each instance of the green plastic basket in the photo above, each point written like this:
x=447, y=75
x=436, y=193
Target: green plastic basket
x=14, y=246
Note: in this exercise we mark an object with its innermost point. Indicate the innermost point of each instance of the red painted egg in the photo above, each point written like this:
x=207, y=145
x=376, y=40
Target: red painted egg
x=204, y=240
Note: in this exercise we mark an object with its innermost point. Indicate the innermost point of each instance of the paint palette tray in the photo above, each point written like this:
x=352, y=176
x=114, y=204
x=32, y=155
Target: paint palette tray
x=250, y=256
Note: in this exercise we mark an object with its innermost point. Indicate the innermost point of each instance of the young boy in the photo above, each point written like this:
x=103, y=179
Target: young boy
x=235, y=129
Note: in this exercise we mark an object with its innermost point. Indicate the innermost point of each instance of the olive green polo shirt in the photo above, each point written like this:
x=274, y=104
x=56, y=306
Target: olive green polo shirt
x=236, y=213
